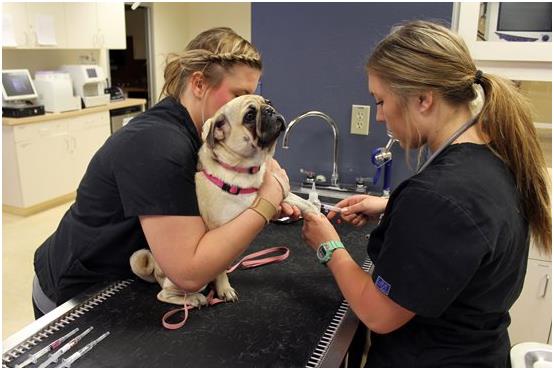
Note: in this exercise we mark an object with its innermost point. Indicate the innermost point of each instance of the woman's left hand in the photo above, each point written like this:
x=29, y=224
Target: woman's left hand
x=287, y=210
x=317, y=229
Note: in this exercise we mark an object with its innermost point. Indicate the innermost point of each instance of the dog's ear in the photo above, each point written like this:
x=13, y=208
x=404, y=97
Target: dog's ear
x=215, y=129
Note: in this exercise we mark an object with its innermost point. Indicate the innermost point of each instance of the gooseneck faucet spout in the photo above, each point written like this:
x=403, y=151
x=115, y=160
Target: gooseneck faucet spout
x=333, y=125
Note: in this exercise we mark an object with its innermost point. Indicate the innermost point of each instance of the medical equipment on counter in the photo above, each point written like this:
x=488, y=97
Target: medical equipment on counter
x=56, y=355
x=313, y=197
x=67, y=362
x=54, y=345
x=382, y=157
x=89, y=83
x=19, y=96
x=55, y=91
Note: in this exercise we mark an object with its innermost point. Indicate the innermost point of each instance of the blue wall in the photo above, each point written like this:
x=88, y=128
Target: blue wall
x=314, y=57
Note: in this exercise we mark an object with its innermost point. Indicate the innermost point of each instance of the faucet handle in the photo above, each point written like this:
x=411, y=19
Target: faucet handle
x=308, y=173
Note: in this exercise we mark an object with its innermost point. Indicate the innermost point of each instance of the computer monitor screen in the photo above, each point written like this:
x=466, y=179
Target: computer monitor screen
x=17, y=85
x=526, y=17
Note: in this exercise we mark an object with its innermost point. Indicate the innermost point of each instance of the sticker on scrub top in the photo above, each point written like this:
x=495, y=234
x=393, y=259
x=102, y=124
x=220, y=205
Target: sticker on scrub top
x=382, y=285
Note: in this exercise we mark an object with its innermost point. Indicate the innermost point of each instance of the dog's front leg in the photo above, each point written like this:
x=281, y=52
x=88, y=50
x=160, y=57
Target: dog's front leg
x=224, y=289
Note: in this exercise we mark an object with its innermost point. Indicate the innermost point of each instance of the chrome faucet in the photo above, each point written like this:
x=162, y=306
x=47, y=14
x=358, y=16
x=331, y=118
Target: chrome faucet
x=331, y=122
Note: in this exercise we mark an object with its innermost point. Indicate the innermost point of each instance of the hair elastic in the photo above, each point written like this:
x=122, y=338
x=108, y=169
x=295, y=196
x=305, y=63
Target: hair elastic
x=478, y=77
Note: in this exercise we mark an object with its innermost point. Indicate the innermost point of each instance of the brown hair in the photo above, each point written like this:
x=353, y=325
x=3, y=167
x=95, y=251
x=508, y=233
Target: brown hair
x=422, y=55
x=212, y=52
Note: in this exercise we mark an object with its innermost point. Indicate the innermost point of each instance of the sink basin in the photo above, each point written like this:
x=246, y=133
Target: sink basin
x=337, y=195
x=531, y=355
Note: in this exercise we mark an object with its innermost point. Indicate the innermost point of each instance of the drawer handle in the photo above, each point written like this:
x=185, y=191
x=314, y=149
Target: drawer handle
x=546, y=281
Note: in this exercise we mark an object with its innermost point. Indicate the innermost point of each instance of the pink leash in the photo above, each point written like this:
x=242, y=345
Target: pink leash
x=248, y=262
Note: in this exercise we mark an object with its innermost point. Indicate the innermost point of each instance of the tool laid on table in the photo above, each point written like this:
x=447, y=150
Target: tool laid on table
x=56, y=355
x=54, y=345
x=67, y=362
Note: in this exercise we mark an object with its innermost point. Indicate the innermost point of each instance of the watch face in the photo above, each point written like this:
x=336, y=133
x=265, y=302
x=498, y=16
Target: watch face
x=321, y=251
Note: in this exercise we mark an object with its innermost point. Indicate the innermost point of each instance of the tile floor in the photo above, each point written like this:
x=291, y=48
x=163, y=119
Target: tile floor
x=20, y=238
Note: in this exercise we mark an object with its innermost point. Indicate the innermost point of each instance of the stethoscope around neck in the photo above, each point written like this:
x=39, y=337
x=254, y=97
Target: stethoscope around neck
x=450, y=140
x=383, y=156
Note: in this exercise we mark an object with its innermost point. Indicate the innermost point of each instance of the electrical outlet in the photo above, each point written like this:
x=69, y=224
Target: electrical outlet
x=359, y=125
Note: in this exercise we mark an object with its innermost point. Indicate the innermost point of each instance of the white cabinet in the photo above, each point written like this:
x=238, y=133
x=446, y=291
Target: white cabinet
x=17, y=16
x=111, y=25
x=87, y=134
x=532, y=313
x=73, y=25
x=37, y=25
x=44, y=161
x=95, y=25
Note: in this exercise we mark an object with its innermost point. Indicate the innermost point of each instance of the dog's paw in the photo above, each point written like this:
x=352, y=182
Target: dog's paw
x=196, y=300
x=227, y=293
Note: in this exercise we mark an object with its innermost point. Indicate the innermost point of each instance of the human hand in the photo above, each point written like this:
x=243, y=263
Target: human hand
x=359, y=209
x=275, y=185
x=287, y=210
x=317, y=229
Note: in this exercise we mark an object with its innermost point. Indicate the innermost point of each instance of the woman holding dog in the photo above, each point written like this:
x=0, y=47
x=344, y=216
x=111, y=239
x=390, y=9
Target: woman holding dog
x=451, y=248
x=139, y=190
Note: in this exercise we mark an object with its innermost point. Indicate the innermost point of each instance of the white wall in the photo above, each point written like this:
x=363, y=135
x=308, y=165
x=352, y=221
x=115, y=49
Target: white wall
x=51, y=59
x=175, y=24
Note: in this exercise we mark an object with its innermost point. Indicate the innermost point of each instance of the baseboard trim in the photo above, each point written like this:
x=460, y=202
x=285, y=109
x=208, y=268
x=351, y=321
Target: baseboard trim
x=27, y=211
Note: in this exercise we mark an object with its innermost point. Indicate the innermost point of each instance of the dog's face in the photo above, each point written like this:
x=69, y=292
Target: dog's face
x=247, y=125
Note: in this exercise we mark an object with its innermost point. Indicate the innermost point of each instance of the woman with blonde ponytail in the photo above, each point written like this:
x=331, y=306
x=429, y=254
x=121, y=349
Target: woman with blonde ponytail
x=450, y=251
x=139, y=190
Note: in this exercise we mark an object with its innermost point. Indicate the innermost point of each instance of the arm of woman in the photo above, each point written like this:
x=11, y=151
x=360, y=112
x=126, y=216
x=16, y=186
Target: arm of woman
x=190, y=255
x=377, y=311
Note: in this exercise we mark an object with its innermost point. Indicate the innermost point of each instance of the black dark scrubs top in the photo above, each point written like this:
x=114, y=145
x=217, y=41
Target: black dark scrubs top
x=145, y=168
x=452, y=247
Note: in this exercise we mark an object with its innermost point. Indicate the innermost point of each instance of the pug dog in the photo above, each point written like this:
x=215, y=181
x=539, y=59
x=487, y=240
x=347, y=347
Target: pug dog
x=237, y=141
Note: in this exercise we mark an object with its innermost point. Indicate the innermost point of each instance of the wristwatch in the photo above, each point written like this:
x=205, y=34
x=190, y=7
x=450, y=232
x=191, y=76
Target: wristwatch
x=264, y=208
x=326, y=249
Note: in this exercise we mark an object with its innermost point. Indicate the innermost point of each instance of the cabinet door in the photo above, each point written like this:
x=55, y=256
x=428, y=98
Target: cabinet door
x=111, y=24
x=532, y=312
x=88, y=133
x=81, y=26
x=18, y=16
x=47, y=23
x=44, y=164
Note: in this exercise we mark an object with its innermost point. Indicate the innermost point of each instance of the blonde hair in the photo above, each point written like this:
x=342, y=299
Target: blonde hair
x=212, y=52
x=420, y=55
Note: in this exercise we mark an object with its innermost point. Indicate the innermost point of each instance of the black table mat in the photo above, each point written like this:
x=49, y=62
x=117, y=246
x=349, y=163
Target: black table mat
x=282, y=312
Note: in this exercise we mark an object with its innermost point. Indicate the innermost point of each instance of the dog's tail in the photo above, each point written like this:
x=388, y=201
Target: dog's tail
x=143, y=265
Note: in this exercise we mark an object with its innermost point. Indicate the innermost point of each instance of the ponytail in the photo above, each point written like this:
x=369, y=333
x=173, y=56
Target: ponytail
x=507, y=121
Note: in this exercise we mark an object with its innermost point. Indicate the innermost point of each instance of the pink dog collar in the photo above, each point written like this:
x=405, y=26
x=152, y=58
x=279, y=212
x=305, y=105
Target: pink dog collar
x=231, y=189
x=250, y=170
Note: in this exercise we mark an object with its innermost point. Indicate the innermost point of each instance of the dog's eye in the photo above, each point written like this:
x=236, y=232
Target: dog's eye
x=250, y=116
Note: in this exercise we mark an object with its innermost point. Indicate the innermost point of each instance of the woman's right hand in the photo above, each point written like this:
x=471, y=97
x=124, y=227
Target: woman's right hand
x=359, y=209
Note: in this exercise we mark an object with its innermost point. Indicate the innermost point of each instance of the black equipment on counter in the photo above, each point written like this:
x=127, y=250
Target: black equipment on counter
x=22, y=110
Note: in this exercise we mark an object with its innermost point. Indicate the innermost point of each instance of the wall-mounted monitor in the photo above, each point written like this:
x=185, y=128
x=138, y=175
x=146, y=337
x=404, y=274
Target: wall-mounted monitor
x=17, y=85
x=519, y=21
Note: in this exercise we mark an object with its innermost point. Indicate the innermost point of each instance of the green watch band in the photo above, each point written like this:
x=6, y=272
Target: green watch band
x=326, y=249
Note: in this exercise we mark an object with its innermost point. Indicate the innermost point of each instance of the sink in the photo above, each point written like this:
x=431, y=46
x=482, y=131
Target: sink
x=531, y=355
x=329, y=192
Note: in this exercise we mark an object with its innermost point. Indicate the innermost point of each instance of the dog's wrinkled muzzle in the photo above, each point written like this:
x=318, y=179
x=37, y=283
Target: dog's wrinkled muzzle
x=270, y=126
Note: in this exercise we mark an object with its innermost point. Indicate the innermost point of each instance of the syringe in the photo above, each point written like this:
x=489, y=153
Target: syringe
x=54, y=345
x=329, y=208
x=56, y=355
x=67, y=362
